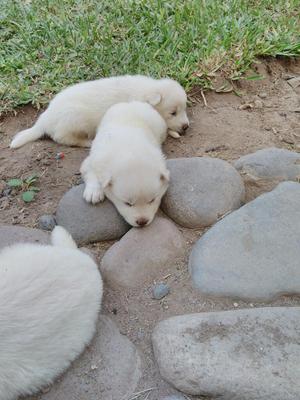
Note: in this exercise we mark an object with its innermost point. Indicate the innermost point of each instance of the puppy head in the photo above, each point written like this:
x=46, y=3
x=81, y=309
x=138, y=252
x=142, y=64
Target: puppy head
x=136, y=190
x=170, y=99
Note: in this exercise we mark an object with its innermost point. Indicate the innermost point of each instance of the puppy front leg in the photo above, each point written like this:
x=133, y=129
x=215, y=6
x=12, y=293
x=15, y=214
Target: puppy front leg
x=93, y=192
x=174, y=134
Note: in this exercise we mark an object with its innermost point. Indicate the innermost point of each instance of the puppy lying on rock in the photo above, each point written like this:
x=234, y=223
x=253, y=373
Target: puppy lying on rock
x=126, y=163
x=50, y=297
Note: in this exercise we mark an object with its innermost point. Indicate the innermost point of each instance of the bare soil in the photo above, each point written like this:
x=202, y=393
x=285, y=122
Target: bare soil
x=265, y=113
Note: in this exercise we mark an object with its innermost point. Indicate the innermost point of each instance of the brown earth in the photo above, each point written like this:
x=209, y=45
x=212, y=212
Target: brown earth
x=265, y=113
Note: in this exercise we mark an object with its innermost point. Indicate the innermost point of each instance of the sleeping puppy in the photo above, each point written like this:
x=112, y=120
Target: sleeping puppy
x=126, y=163
x=75, y=113
x=49, y=303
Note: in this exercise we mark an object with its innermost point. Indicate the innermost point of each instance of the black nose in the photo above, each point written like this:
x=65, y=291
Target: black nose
x=142, y=221
x=185, y=126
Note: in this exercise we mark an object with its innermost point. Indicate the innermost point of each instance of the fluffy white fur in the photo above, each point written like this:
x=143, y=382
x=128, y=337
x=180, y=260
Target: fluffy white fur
x=75, y=113
x=49, y=303
x=126, y=163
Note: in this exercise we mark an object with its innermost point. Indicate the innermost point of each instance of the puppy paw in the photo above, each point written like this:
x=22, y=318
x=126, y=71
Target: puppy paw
x=174, y=134
x=93, y=194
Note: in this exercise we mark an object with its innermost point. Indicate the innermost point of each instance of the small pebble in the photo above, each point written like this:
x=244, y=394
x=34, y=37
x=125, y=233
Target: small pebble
x=258, y=104
x=140, y=334
x=6, y=192
x=47, y=222
x=263, y=95
x=160, y=290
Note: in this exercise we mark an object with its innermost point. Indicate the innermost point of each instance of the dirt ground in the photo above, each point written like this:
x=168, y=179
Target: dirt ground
x=265, y=113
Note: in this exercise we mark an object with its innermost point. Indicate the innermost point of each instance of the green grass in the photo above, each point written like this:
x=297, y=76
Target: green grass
x=46, y=45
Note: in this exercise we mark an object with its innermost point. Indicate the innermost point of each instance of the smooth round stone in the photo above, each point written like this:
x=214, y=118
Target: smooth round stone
x=89, y=223
x=47, y=222
x=201, y=190
x=12, y=234
x=248, y=354
x=160, y=290
x=253, y=253
x=110, y=368
x=271, y=163
x=143, y=254
x=263, y=95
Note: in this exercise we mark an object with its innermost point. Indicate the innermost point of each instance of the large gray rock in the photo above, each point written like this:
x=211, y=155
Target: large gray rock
x=89, y=223
x=142, y=254
x=254, y=252
x=12, y=234
x=232, y=355
x=201, y=190
x=109, y=369
x=271, y=163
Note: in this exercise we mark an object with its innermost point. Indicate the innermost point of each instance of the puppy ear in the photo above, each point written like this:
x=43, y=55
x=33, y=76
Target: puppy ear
x=165, y=176
x=154, y=99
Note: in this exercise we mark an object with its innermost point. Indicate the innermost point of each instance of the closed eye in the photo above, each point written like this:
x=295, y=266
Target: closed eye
x=151, y=201
x=128, y=204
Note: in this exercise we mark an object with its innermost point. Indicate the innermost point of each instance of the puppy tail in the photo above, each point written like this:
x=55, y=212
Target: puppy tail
x=28, y=135
x=61, y=238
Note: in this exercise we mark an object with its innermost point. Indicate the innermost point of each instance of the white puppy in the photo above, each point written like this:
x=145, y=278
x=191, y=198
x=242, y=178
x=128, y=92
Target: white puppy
x=75, y=113
x=49, y=304
x=126, y=162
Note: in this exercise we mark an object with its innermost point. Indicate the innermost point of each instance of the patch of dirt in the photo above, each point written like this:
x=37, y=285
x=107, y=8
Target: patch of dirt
x=265, y=114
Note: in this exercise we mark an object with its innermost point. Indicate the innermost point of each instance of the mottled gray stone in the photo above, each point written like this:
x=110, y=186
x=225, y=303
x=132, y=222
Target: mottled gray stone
x=160, y=290
x=47, y=222
x=110, y=368
x=271, y=163
x=250, y=354
x=201, y=190
x=254, y=252
x=89, y=223
x=174, y=397
x=142, y=254
x=11, y=234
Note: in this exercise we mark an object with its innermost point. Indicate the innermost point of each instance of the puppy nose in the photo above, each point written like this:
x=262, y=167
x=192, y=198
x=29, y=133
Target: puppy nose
x=142, y=221
x=185, y=126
